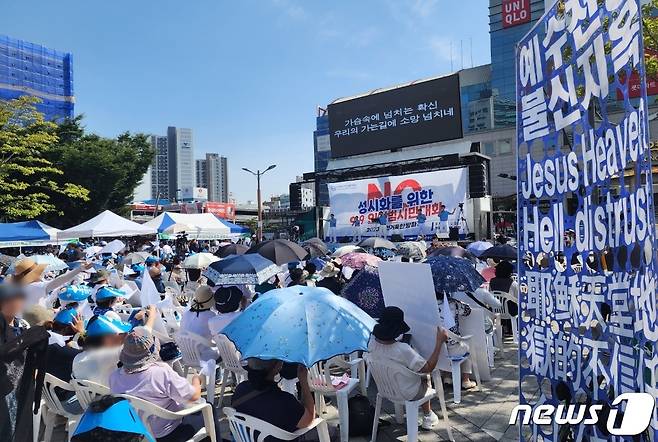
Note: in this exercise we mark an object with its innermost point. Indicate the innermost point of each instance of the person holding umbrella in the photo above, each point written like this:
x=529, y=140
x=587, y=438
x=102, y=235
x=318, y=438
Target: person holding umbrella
x=385, y=345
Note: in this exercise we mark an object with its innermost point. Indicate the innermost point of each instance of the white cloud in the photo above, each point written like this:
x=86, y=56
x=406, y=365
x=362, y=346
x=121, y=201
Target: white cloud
x=442, y=48
x=291, y=8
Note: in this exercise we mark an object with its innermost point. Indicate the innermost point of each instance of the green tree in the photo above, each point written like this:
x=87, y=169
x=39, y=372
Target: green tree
x=110, y=168
x=30, y=182
x=650, y=34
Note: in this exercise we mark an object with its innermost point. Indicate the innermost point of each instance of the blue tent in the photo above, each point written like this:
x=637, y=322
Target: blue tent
x=26, y=231
x=234, y=227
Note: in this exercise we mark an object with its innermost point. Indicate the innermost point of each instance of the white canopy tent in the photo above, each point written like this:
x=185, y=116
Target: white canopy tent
x=195, y=225
x=106, y=224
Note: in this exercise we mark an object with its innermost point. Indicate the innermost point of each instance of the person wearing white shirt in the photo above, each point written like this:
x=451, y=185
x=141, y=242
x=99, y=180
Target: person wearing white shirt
x=197, y=318
x=228, y=301
x=102, y=344
x=29, y=274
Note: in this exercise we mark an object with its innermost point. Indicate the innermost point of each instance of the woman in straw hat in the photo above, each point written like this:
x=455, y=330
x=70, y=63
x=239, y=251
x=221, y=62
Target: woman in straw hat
x=29, y=274
x=195, y=320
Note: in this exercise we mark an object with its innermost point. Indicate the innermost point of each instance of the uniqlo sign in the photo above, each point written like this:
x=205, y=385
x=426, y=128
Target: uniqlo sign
x=515, y=12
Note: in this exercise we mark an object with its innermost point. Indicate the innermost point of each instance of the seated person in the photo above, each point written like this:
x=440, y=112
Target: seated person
x=480, y=298
x=197, y=319
x=260, y=397
x=106, y=298
x=101, y=346
x=384, y=345
x=228, y=302
x=111, y=419
x=503, y=282
x=144, y=375
x=331, y=278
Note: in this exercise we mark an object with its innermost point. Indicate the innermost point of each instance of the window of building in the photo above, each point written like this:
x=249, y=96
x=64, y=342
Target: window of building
x=504, y=147
x=489, y=149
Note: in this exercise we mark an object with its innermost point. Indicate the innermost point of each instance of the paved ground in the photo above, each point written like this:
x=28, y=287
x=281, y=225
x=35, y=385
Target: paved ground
x=483, y=414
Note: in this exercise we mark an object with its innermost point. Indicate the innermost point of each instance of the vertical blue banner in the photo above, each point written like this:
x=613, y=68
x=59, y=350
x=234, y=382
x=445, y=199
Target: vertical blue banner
x=587, y=267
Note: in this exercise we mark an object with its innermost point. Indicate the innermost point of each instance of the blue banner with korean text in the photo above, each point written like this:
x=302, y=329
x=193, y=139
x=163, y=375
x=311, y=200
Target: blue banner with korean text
x=588, y=322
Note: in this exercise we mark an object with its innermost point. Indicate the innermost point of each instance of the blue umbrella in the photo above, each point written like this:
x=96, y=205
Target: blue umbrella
x=300, y=324
x=241, y=269
x=365, y=290
x=452, y=274
x=478, y=247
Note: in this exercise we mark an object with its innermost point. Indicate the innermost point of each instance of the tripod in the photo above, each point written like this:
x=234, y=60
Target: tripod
x=462, y=219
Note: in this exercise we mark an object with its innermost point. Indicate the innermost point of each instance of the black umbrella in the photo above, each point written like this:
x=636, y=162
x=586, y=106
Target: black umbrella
x=377, y=243
x=279, y=251
x=501, y=252
x=316, y=247
x=457, y=251
x=231, y=249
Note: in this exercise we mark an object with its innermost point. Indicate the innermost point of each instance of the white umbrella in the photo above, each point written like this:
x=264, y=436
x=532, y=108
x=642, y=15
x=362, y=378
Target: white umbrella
x=199, y=261
x=113, y=247
x=137, y=257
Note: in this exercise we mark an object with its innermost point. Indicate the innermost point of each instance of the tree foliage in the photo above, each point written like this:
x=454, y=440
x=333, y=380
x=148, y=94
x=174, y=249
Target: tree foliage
x=650, y=34
x=30, y=182
x=110, y=168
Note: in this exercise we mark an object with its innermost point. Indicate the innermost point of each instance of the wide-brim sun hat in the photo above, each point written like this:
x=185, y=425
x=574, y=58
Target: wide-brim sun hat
x=108, y=293
x=391, y=324
x=203, y=299
x=103, y=325
x=140, y=350
x=100, y=275
x=26, y=271
x=74, y=293
x=66, y=316
x=329, y=271
x=119, y=418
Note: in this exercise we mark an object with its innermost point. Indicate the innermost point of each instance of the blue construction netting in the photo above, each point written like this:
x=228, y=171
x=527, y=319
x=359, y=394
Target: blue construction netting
x=30, y=69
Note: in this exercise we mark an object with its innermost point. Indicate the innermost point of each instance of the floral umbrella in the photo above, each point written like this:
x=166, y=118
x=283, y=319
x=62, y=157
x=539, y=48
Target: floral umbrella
x=365, y=290
x=358, y=260
x=452, y=274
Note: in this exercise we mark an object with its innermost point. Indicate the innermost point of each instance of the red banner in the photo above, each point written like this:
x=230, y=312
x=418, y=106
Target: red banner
x=222, y=210
x=515, y=12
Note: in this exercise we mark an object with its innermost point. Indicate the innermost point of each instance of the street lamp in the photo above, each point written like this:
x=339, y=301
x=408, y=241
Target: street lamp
x=257, y=174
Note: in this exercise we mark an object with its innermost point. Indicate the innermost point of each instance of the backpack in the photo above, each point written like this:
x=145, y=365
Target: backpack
x=361, y=415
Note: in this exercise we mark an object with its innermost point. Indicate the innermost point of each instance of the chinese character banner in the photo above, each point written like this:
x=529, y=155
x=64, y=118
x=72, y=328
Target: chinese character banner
x=414, y=204
x=587, y=321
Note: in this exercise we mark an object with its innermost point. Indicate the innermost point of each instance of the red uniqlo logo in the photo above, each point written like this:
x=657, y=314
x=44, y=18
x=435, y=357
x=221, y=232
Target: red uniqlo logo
x=515, y=12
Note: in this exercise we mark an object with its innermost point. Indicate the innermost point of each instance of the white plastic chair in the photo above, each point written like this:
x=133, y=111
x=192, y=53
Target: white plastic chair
x=147, y=410
x=230, y=363
x=456, y=362
x=320, y=381
x=54, y=406
x=387, y=375
x=245, y=428
x=191, y=346
x=503, y=313
x=88, y=391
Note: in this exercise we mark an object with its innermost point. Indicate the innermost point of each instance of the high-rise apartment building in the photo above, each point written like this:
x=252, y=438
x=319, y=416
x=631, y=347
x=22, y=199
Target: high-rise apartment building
x=181, y=161
x=201, y=173
x=31, y=69
x=172, y=172
x=160, y=168
x=212, y=173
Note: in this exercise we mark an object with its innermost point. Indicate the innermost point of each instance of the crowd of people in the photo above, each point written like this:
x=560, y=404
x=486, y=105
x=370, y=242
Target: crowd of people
x=91, y=322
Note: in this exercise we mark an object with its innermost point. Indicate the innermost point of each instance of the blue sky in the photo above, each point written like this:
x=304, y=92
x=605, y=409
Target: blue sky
x=246, y=75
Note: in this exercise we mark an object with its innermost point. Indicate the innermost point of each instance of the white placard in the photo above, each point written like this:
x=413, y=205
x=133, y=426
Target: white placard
x=410, y=287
